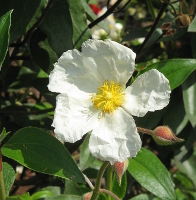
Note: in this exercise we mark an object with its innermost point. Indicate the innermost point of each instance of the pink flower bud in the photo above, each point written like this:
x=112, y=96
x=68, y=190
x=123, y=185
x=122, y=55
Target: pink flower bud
x=87, y=196
x=120, y=168
x=163, y=135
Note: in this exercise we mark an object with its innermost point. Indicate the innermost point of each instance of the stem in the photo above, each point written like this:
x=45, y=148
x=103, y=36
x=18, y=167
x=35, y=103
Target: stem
x=88, y=181
x=2, y=186
x=143, y=130
x=150, y=7
x=110, y=193
x=106, y=14
x=98, y=180
x=180, y=7
x=109, y=181
x=164, y=6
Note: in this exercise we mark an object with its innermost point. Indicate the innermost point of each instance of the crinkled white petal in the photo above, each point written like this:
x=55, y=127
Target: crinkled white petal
x=149, y=92
x=115, y=138
x=75, y=72
x=74, y=116
x=114, y=61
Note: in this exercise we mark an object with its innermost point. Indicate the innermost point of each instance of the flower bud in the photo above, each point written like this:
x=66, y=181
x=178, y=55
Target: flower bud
x=87, y=196
x=166, y=26
x=119, y=169
x=163, y=135
x=182, y=21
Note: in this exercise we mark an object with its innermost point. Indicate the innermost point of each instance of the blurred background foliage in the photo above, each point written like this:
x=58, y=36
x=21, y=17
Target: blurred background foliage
x=42, y=30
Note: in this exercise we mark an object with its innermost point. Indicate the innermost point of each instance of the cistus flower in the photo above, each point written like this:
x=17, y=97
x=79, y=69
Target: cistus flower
x=93, y=97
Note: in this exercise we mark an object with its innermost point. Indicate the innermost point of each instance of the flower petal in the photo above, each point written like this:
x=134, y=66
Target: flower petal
x=73, y=117
x=115, y=138
x=74, y=71
x=114, y=61
x=149, y=92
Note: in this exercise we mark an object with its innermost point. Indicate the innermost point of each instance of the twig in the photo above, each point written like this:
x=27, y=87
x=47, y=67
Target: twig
x=164, y=6
x=106, y=14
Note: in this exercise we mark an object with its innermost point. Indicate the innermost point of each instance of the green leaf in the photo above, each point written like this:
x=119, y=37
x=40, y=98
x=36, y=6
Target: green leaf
x=86, y=159
x=150, y=120
x=144, y=197
x=175, y=116
x=64, y=197
x=176, y=70
x=91, y=16
x=189, y=97
x=41, y=51
x=120, y=191
x=188, y=167
x=22, y=15
x=182, y=153
x=8, y=177
x=147, y=169
x=54, y=189
x=21, y=197
x=57, y=24
x=72, y=188
x=192, y=26
x=42, y=194
x=5, y=23
x=81, y=32
x=40, y=151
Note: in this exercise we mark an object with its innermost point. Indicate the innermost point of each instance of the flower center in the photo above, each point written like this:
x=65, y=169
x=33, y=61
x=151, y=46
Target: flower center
x=109, y=96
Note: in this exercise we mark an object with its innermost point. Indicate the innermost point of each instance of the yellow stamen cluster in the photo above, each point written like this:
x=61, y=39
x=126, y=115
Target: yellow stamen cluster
x=108, y=97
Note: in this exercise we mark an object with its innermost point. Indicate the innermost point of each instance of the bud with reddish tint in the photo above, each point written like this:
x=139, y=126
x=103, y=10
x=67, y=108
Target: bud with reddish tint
x=163, y=135
x=119, y=169
x=87, y=196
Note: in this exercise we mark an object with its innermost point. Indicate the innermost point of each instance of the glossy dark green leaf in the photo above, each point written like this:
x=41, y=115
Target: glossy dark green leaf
x=150, y=120
x=81, y=32
x=40, y=151
x=22, y=15
x=57, y=24
x=182, y=153
x=144, y=197
x=148, y=170
x=86, y=159
x=175, y=116
x=120, y=191
x=8, y=177
x=41, y=51
x=176, y=70
x=192, y=26
x=189, y=97
x=91, y=16
x=5, y=23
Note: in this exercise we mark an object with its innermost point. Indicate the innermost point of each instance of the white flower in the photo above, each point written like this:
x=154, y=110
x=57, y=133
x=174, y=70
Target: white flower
x=94, y=98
